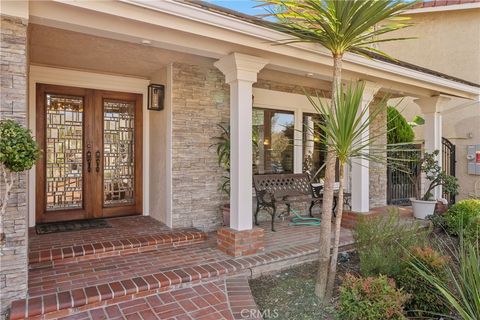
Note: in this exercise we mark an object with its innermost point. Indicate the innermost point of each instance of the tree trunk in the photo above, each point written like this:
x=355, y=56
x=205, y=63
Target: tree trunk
x=336, y=242
x=326, y=227
x=8, y=179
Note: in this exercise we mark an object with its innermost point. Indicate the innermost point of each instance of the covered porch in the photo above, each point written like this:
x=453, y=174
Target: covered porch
x=215, y=68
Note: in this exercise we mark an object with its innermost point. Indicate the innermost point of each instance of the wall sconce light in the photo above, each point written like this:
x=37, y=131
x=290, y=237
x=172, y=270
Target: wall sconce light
x=266, y=142
x=156, y=97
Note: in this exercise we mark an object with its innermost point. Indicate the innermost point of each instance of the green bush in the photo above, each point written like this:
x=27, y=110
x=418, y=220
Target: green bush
x=399, y=131
x=18, y=150
x=460, y=288
x=464, y=217
x=383, y=241
x=424, y=299
x=370, y=298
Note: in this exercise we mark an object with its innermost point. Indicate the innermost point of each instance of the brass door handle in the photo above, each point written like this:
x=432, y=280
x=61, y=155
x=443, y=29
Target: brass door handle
x=89, y=161
x=97, y=160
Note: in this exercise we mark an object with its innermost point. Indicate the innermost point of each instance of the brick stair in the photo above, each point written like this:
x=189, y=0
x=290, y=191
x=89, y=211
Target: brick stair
x=54, y=302
x=63, y=255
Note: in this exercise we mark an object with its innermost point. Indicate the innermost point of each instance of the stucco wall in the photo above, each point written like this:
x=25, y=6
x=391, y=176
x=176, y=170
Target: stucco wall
x=448, y=42
x=13, y=105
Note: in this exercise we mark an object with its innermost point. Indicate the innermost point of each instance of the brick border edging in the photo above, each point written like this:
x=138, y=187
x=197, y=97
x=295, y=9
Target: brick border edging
x=129, y=245
x=240, y=299
x=149, y=284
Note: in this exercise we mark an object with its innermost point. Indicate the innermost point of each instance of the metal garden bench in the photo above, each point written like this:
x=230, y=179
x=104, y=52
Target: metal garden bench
x=275, y=189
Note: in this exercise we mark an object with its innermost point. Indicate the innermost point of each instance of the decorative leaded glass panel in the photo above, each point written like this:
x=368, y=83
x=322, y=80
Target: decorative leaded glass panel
x=64, y=152
x=118, y=152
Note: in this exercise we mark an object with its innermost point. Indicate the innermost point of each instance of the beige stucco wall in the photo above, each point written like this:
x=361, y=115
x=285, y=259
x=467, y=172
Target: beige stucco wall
x=448, y=42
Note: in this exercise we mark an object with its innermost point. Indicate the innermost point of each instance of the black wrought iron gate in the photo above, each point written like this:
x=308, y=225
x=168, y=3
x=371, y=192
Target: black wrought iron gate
x=448, y=164
x=400, y=187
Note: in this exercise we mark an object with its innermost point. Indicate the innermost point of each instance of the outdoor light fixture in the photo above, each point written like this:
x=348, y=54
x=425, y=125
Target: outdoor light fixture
x=156, y=95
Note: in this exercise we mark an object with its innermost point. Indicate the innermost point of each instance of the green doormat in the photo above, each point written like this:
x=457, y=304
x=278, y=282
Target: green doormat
x=45, y=228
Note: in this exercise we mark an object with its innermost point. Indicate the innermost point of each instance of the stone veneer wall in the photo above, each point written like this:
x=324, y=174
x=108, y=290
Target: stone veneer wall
x=378, y=171
x=200, y=100
x=13, y=105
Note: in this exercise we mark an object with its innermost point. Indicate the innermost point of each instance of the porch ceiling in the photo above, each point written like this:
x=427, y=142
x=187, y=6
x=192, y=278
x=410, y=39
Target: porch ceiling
x=63, y=48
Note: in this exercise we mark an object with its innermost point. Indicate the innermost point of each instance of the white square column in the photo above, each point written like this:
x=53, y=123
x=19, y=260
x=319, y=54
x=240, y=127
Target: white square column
x=240, y=72
x=432, y=108
x=360, y=169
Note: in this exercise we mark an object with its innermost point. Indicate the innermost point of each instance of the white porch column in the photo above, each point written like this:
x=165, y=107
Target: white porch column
x=360, y=167
x=240, y=72
x=431, y=108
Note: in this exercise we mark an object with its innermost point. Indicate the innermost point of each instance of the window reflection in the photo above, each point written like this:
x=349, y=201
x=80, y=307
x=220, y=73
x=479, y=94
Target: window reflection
x=273, y=132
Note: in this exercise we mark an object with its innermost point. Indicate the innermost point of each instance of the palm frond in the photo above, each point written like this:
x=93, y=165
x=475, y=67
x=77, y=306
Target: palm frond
x=339, y=25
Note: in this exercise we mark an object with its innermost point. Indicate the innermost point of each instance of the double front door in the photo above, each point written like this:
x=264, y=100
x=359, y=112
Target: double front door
x=91, y=153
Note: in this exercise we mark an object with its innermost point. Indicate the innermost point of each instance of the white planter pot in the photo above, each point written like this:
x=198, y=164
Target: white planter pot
x=422, y=209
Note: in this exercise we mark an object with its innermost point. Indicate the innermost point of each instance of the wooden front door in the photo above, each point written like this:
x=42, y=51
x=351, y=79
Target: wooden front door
x=92, y=153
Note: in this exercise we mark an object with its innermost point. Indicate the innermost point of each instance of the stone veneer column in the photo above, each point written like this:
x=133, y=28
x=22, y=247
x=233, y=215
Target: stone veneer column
x=240, y=72
x=378, y=170
x=360, y=167
x=13, y=105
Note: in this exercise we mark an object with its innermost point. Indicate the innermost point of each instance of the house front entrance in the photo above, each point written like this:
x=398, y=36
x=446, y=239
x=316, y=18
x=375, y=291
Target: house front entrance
x=92, y=153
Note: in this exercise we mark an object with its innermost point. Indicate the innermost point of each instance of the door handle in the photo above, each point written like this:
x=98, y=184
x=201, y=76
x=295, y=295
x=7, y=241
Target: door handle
x=89, y=161
x=97, y=160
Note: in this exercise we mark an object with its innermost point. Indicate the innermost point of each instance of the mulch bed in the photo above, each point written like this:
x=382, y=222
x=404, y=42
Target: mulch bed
x=290, y=294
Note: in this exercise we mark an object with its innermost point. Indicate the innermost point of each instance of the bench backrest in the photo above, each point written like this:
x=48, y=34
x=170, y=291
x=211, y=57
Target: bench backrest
x=283, y=184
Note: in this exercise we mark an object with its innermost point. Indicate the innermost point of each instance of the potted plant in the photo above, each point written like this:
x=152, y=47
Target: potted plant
x=222, y=148
x=18, y=153
x=424, y=205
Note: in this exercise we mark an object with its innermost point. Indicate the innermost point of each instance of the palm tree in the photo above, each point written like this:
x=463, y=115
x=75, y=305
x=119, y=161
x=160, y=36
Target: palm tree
x=345, y=127
x=340, y=26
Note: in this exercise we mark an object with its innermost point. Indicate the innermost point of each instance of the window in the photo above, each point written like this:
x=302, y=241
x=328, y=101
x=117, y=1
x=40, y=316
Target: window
x=273, y=135
x=314, y=148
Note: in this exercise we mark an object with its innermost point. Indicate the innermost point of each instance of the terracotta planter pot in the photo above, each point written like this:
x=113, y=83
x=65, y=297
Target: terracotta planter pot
x=422, y=209
x=226, y=214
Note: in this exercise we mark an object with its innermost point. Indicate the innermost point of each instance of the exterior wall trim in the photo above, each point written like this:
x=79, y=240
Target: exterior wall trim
x=311, y=53
x=236, y=25
x=460, y=6
x=76, y=78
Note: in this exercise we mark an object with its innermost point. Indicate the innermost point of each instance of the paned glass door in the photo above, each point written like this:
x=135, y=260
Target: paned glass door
x=91, y=142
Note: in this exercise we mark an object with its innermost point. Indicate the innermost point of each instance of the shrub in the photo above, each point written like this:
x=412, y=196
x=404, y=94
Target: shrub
x=424, y=299
x=460, y=288
x=399, y=131
x=464, y=217
x=383, y=241
x=370, y=298
x=18, y=150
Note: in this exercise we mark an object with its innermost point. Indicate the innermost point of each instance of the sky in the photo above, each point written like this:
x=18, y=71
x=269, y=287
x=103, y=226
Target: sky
x=244, y=6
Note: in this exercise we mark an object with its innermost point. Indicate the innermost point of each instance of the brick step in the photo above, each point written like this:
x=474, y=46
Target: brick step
x=58, y=304
x=56, y=256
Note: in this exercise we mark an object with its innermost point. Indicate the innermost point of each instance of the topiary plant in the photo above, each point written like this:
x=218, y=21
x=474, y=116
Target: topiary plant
x=399, y=130
x=18, y=153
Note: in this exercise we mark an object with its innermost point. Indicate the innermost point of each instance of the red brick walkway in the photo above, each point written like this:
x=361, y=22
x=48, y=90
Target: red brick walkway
x=89, y=287
x=222, y=299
